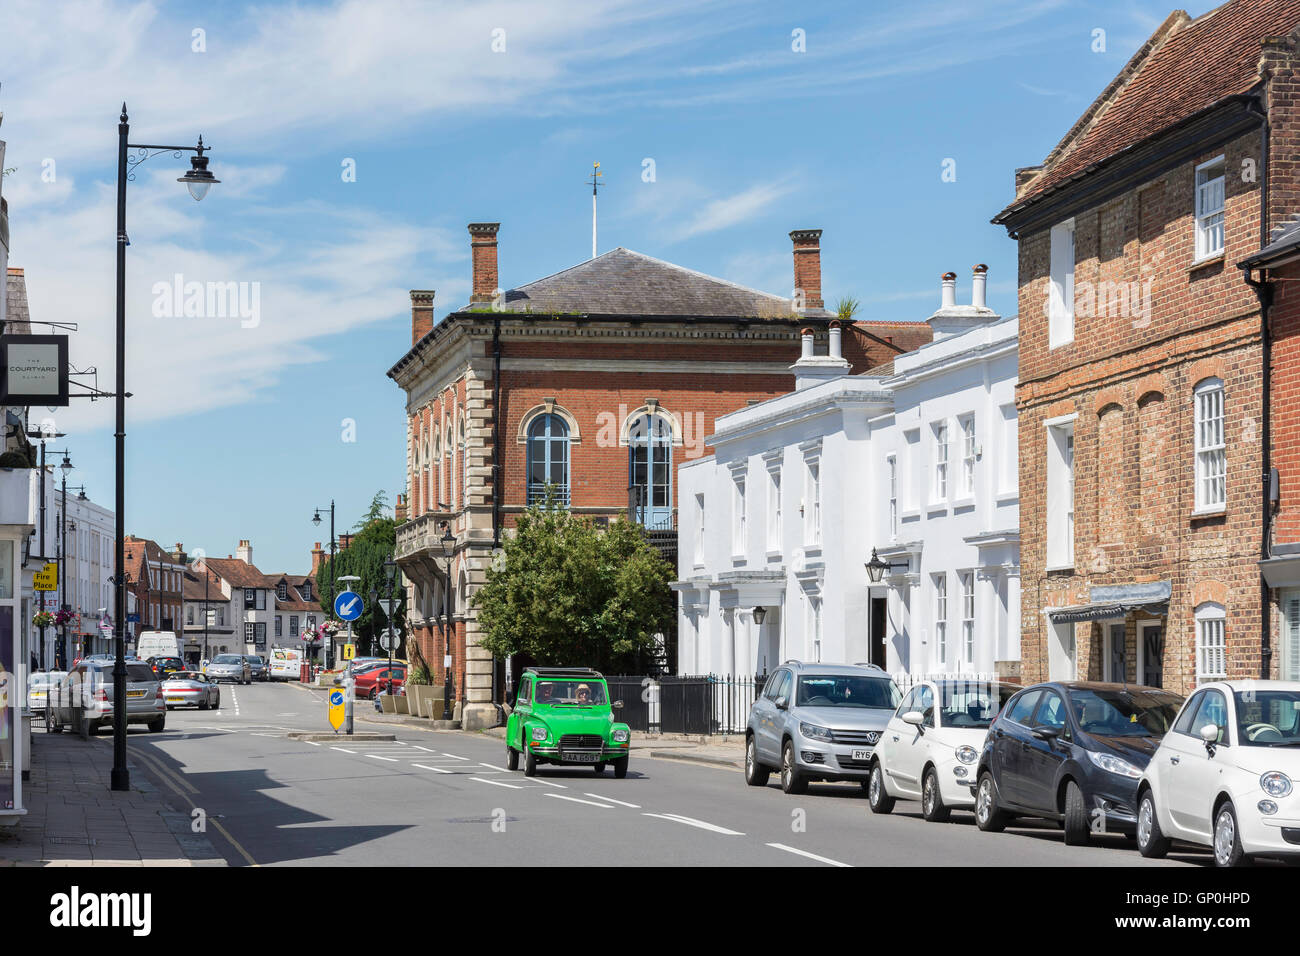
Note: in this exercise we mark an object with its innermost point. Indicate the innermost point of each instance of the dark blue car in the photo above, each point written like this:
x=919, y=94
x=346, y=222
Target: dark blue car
x=1071, y=752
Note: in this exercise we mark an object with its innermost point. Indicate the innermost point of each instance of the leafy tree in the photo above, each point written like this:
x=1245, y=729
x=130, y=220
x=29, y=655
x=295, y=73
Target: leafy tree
x=371, y=546
x=569, y=594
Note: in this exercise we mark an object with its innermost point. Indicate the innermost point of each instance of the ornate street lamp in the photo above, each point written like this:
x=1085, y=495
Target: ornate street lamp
x=448, y=543
x=390, y=573
x=877, y=567
x=760, y=615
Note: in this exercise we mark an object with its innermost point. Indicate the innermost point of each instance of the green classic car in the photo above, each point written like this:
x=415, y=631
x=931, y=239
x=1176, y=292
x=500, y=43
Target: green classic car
x=563, y=715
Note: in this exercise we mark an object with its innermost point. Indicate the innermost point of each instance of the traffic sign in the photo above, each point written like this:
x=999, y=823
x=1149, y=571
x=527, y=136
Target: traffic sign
x=349, y=652
x=387, y=605
x=337, y=701
x=387, y=641
x=348, y=606
x=46, y=579
x=135, y=618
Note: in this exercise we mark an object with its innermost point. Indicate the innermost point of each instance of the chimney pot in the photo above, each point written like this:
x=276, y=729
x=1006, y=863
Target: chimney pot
x=835, y=340
x=483, y=255
x=978, y=284
x=808, y=266
x=807, y=335
x=949, y=291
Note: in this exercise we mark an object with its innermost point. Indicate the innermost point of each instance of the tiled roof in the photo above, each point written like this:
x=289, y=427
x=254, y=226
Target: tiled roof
x=194, y=586
x=905, y=335
x=295, y=601
x=16, y=312
x=1185, y=67
x=1284, y=242
x=239, y=573
x=623, y=282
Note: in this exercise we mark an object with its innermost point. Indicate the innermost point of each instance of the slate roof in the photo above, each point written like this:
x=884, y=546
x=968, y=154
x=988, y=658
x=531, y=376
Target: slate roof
x=1284, y=243
x=239, y=573
x=295, y=600
x=194, y=586
x=16, y=311
x=1187, y=66
x=623, y=282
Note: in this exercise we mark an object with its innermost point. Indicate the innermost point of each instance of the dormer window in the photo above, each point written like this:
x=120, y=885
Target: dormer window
x=282, y=592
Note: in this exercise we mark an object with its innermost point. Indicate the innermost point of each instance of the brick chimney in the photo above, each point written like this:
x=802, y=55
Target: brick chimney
x=808, y=265
x=399, y=510
x=179, y=553
x=483, y=252
x=245, y=551
x=317, y=556
x=421, y=313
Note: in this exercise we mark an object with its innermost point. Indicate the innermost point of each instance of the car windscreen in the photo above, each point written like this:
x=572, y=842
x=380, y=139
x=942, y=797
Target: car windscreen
x=182, y=675
x=1117, y=713
x=836, y=690
x=571, y=692
x=972, y=705
x=1268, y=718
x=226, y=659
x=138, y=673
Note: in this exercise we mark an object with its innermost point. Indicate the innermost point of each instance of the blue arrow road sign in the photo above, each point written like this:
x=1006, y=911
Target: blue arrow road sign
x=348, y=606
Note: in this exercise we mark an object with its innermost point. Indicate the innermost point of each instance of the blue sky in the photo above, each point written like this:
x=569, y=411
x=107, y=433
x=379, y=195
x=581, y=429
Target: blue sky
x=236, y=429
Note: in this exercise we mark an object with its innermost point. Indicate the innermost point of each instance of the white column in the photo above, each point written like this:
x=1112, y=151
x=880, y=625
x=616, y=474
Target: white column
x=728, y=661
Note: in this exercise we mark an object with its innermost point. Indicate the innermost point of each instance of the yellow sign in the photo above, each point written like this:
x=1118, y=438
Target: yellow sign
x=47, y=579
x=349, y=652
x=337, y=700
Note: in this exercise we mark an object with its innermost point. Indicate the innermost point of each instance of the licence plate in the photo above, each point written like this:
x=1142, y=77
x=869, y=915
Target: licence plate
x=135, y=693
x=175, y=700
x=861, y=755
x=38, y=693
x=582, y=758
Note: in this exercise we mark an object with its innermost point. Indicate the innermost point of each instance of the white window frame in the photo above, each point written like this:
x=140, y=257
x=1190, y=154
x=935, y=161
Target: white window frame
x=739, y=532
x=891, y=462
x=774, y=507
x=1211, y=467
x=968, y=617
x=812, y=502
x=699, y=530
x=1211, y=643
x=1060, y=296
x=1290, y=666
x=939, y=490
x=1210, y=201
x=968, y=446
x=940, y=582
x=1060, y=492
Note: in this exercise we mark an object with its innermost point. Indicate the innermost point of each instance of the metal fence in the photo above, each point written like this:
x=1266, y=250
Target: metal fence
x=906, y=681
x=707, y=704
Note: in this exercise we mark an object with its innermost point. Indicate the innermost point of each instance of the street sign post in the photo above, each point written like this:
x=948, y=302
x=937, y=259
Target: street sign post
x=387, y=640
x=348, y=606
x=337, y=708
x=387, y=605
x=349, y=652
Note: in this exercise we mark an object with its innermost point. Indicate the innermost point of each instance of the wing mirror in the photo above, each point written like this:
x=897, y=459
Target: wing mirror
x=1050, y=734
x=1210, y=734
x=916, y=719
x=782, y=703
x=618, y=705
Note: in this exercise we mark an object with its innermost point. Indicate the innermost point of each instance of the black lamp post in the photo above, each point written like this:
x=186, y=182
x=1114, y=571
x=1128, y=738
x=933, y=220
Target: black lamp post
x=198, y=180
x=46, y=663
x=390, y=573
x=448, y=542
x=63, y=553
x=329, y=654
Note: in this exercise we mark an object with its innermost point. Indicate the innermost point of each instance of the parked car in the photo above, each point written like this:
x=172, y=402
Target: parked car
x=563, y=716
x=818, y=722
x=377, y=680
x=162, y=666
x=258, y=668
x=1225, y=776
x=932, y=743
x=1072, y=752
x=42, y=688
x=85, y=700
x=231, y=667
x=191, y=689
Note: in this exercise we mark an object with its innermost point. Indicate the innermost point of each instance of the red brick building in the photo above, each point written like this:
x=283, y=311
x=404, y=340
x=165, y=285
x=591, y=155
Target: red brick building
x=1144, y=431
x=597, y=382
x=157, y=578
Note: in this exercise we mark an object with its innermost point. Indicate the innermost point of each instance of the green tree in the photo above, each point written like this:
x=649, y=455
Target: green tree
x=567, y=593
x=371, y=546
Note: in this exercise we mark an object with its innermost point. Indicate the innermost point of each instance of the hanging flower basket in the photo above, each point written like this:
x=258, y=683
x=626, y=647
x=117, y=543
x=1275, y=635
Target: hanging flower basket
x=62, y=617
x=43, y=619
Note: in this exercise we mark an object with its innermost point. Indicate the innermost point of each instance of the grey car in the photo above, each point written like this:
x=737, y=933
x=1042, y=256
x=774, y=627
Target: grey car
x=85, y=700
x=231, y=667
x=258, y=668
x=818, y=722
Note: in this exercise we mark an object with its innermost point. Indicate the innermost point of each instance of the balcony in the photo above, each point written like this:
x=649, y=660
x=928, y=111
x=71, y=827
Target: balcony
x=419, y=550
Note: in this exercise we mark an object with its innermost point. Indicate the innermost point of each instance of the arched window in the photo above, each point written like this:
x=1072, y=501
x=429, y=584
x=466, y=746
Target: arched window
x=464, y=464
x=1211, y=642
x=435, y=475
x=650, y=469
x=444, y=481
x=548, y=459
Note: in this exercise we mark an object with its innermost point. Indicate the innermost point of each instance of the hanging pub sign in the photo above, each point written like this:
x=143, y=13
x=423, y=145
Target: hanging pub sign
x=34, y=370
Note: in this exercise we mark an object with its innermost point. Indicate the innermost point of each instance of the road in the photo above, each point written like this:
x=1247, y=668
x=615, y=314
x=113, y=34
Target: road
x=446, y=798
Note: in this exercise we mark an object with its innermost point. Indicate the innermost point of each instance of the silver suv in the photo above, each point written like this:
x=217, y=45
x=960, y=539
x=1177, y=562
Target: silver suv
x=818, y=722
x=86, y=698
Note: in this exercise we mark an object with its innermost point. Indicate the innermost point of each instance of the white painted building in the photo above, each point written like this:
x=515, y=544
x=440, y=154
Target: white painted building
x=916, y=459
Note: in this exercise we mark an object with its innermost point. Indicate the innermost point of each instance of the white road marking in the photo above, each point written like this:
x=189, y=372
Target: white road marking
x=497, y=783
x=265, y=735
x=434, y=769
x=590, y=803
x=314, y=743
x=234, y=699
x=612, y=800
x=344, y=749
x=290, y=714
x=811, y=856
x=378, y=757
x=453, y=756
x=548, y=783
x=425, y=749
x=692, y=822
x=492, y=765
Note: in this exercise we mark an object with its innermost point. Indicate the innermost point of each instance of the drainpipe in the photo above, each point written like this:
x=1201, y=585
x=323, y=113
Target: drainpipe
x=1264, y=292
x=496, y=478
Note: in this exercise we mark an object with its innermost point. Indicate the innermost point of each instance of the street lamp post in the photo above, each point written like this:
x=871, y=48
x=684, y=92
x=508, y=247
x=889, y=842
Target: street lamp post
x=448, y=542
x=63, y=554
x=329, y=654
x=47, y=662
x=198, y=180
x=390, y=572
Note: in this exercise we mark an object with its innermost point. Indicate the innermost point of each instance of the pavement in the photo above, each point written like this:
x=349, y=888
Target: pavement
x=74, y=819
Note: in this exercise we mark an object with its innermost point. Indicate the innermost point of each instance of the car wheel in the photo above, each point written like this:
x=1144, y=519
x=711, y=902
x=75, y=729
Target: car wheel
x=55, y=726
x=792, y=781
x=987, y=815
x=1075, y=822
x=1227, y=838
x=530, y=764
x=932, y=807
x=157, y=726
x=877, y=797
x=512, y=758
x=1151, y=842
x=599, y=768
x=620, y=768
x=216, y=704
x=204, y=705
x=756, y=775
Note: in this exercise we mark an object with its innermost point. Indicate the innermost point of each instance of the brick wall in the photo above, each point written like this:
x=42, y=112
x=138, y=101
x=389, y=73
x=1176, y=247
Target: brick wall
x=1285, y=325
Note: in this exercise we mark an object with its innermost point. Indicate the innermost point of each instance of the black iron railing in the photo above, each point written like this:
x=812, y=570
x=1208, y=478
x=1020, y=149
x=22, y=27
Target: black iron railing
x=706, y=705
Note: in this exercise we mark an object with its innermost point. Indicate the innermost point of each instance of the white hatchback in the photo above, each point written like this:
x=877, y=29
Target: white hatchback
x=928, y=752
x=1225, y=776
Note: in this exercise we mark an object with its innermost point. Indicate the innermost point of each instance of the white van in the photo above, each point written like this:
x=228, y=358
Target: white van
x=157, y=644
x=286, y=663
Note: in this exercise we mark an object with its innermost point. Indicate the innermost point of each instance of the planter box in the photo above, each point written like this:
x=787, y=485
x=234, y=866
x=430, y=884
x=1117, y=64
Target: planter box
x=402, y=705
x=388, y=703
x=421, y=694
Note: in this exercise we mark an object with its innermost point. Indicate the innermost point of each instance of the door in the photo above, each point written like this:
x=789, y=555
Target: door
x=1009, y=736
x=1042, y=759
x=650, y=466
x=768, y=718
x=914, y=746
x=1151, y=654
x=1195, y=777
x=1116, y=663
x=876, y=633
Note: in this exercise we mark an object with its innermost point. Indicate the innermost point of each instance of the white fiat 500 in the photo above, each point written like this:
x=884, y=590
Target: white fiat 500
x=929, y=750
x=1226, y=775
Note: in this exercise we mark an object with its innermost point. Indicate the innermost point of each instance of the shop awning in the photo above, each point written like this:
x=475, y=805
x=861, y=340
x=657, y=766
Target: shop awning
x=1115, y=600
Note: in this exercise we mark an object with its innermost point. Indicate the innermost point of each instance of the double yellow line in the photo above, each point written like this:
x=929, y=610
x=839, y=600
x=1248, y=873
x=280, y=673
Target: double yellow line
x=183, y=789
